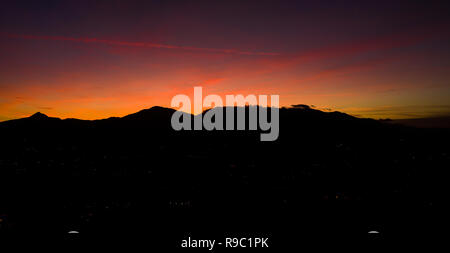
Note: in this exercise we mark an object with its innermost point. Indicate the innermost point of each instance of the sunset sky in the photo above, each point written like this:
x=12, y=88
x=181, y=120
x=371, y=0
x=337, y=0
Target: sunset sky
x=97, y=59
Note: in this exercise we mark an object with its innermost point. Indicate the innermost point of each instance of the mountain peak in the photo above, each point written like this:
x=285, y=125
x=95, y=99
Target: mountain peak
x=151, y=113
x=38, y=115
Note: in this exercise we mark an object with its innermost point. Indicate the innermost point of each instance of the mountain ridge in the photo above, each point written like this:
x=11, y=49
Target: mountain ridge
x=145, y=114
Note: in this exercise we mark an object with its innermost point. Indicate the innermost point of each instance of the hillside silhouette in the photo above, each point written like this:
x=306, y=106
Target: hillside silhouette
x=328, y=176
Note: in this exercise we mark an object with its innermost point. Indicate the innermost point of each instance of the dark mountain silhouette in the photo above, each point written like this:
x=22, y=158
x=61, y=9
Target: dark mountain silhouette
x=35, y=117
x=38, y=115
x=157, y=115
x=154, y=113
x=328, y=176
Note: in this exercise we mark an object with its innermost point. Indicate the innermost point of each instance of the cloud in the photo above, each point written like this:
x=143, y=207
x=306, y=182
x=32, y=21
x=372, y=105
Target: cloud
x=352, y=48
x=400, y=112
x=347, y=69
x=140, y=44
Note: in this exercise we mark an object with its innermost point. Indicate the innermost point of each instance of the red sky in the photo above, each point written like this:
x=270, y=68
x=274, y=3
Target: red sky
x=111, y=58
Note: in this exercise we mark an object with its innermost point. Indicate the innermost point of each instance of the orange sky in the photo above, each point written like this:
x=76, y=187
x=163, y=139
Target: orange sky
x=71, y=61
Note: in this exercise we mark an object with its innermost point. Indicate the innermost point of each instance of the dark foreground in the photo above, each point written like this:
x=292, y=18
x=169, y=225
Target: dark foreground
x=329, y=177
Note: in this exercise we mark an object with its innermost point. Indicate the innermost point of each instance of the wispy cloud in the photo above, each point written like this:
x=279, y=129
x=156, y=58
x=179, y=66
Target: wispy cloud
x=141, y=44
x=352, y=48
x=346, y=69
x=400, y=112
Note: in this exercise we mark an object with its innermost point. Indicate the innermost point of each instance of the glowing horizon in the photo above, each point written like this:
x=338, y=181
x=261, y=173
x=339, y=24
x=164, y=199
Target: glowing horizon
x=102, y=61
